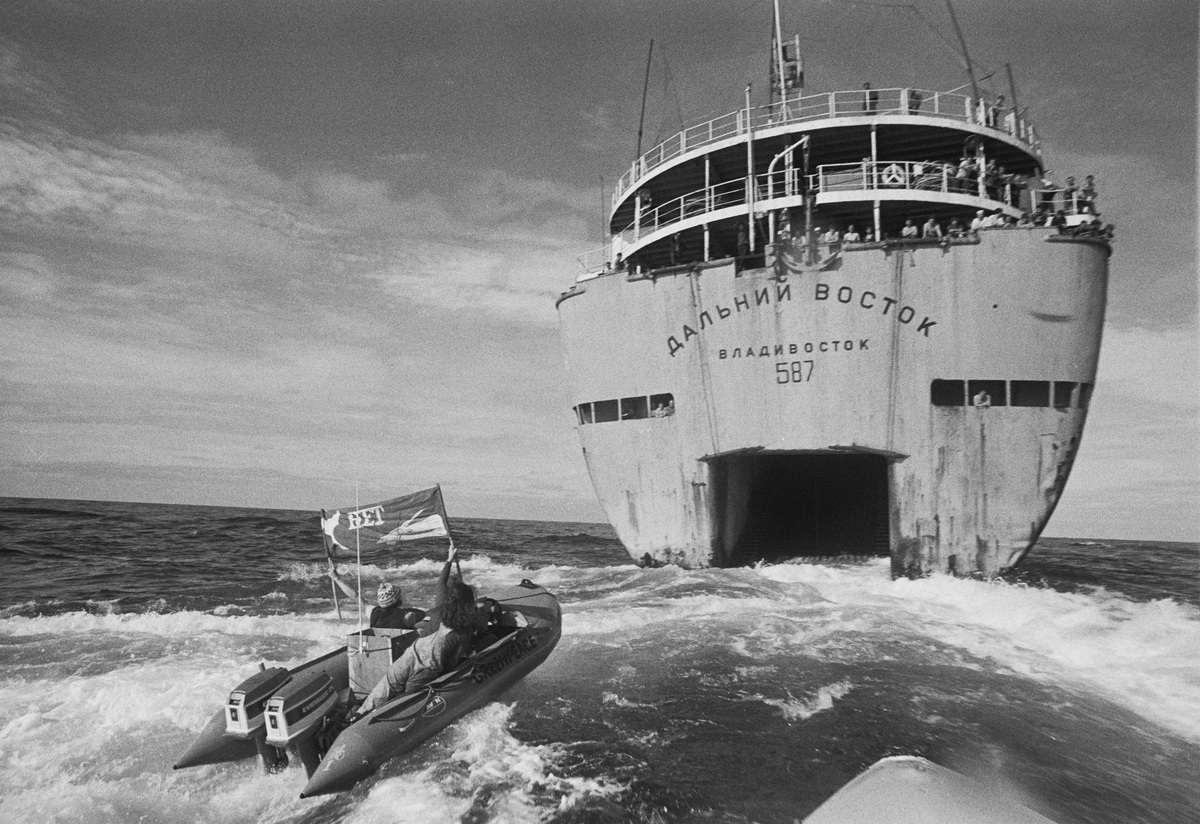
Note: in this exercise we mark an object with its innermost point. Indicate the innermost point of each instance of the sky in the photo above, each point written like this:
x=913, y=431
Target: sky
x=294, y=254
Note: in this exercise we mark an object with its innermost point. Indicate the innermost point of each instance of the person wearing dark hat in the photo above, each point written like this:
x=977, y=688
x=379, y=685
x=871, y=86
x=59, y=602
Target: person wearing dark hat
x=389, y=611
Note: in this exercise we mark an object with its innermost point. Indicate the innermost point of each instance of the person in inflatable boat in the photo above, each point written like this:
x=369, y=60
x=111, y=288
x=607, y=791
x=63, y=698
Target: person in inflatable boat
x=390, y=611
x=436, y=653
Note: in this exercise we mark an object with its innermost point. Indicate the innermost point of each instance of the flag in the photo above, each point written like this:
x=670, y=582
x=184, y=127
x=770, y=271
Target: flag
x=787, y=65
x=372, y=527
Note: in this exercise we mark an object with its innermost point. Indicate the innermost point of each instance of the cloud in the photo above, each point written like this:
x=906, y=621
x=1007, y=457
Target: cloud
x=229, y=268
x=27, y=85
x=174, y=309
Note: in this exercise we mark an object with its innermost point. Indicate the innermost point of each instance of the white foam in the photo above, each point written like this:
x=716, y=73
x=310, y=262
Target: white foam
x=98, y=706
x=517, y=780
x=801, y=709
x=1142, y=655
x=319, y=627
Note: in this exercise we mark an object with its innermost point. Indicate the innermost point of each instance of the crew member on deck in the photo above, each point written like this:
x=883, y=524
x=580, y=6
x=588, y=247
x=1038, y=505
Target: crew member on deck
x=390, y=611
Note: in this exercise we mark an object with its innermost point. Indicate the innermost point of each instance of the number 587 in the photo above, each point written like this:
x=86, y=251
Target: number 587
x=793, y=371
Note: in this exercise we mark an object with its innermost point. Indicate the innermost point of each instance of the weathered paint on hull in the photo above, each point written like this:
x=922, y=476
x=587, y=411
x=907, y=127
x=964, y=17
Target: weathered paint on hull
x=842, y=365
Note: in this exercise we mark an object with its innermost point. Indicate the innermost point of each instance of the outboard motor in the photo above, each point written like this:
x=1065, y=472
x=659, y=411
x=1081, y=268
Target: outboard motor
x=244, y=712
x=298, y=712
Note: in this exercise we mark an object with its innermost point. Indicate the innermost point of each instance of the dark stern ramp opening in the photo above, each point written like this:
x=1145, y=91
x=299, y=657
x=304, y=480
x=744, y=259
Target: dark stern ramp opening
x=811, y=505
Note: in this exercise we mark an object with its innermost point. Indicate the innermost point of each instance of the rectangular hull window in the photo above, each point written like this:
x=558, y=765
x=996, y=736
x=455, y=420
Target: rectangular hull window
x=634, y=408
x=947, y=393
x=988, y=393
x=605, y=411
x=1030, y=393
x=1062, y=394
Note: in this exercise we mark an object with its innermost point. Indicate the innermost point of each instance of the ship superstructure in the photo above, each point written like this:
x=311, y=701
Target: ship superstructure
x=796, y=344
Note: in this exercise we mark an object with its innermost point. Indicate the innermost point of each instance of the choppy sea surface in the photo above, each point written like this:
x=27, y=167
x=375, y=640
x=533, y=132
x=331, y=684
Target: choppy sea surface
x=674, y=696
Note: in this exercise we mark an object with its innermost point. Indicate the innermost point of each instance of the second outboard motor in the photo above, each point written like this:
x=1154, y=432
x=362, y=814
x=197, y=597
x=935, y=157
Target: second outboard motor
x=297, y=712
x=244, y=712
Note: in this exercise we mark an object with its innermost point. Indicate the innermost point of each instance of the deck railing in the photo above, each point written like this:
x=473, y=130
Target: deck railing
x=922, y=176
x=858, y=103
x=840, y=177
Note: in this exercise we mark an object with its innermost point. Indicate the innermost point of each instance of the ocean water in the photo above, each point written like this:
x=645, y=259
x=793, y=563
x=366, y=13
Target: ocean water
x=744, y=695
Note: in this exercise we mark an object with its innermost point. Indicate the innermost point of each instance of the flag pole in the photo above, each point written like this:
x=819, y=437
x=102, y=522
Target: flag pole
x=332, y=567
x=358, y=560
x=449, y=532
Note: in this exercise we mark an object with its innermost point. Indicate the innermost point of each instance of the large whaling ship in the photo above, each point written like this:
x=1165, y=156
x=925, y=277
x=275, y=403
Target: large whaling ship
x=849, y=323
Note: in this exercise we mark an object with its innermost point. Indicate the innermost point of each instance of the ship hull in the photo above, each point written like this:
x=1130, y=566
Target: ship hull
x=831, y=407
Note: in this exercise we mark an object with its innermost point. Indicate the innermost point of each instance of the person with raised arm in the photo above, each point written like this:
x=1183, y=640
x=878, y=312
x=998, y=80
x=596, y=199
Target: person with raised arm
x=437, y=653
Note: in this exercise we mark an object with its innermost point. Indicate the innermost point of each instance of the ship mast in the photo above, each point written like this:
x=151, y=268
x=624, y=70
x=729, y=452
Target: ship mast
x=777, y=56
x=645, y=89
x=786, y=69
x=966, y=55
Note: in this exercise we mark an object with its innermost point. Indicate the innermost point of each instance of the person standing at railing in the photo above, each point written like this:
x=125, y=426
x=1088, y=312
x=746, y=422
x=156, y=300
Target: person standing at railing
x=995, y=111
x=1088, y=194
x=916, y=172
x=1069, y=192
x=1046, y=194
x=870, y=98
x=962, y=176
x=931, y=230
x=990, y=179
x=909, y=232
x=852, y=235
x=914, y=101
x=1017, y=184
x=833, y=240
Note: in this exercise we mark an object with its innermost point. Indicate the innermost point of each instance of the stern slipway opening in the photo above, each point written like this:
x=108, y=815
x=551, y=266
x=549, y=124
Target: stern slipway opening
x=808, y=505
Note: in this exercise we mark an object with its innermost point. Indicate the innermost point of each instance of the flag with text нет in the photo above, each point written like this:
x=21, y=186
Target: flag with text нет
x=372, y=527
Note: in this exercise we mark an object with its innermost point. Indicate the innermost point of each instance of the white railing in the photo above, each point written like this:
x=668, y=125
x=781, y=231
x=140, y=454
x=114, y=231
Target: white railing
x=858, y=103
x=596, y=260
x=841, y=177
x=699, y=202
x=924, y=176
x=864, y=176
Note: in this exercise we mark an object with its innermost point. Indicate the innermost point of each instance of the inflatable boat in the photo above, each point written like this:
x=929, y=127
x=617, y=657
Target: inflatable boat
x=907, y=789
x=303, y=712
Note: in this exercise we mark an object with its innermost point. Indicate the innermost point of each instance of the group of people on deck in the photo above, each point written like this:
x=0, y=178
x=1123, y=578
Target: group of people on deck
x=1053, y=207
x=996, y=112
x=461, y=624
